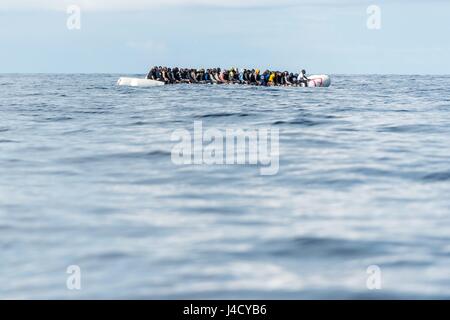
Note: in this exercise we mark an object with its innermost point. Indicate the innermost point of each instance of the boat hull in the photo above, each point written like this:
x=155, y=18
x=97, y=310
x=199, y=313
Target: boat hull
x=313, y=81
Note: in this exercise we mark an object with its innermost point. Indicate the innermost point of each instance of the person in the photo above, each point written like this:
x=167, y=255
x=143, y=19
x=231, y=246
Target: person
x=241, y=76
x=150, y=74
x=222, y=76
x=292, y=79
x=302, y=78
x=206, y=76
x=236, y=75
x=245, y=76
x=193, y=76
x=165, y=75
x=231, y=75
x=271, y=80
x=182, y=74
x=279, y=78
x=200, y=75
x=254, y=77
x=176, y=75
x=158, y=75
x=265, y=78
x=212, y=76
x=257, y=77
x=286, y=79
x=170, y=75
x=215, y=75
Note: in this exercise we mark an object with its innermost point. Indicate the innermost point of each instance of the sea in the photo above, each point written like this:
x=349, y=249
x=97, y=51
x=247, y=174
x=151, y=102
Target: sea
x=93, y=205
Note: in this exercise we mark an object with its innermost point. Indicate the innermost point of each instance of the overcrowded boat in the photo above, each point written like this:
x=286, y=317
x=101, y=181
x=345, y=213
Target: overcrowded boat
x=158, y=76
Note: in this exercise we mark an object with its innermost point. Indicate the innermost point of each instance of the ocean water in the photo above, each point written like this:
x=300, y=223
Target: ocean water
x=86, y=179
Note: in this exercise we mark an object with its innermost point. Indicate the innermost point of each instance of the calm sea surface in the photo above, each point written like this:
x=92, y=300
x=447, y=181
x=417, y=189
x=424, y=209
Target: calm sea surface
x=86, y=179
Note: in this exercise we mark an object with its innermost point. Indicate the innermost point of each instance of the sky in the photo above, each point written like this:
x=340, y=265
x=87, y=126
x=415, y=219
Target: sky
x=322, y=36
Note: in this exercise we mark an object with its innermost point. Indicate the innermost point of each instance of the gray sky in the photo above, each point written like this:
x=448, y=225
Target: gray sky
x=321, y=36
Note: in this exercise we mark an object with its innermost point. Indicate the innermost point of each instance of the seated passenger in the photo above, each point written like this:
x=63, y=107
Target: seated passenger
x=193, y=76
x=302, y=78
x=230, y=75
x=164, y=75
x=286, y=79
x=206, y=76
x=151, y=73
x=271, y=80
x=200, y=75
x=292, y=79
x=257, y=77
x=264, y=78
x=252, y=77
x=170, y=75
x=176, y=75
x=222, y=76
x=241, y=76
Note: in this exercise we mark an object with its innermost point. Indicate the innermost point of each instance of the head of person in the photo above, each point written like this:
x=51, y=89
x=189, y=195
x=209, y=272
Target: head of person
x=303, y=71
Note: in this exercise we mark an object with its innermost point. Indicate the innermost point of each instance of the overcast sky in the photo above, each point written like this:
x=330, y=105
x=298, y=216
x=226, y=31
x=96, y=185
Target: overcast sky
x=127, y=36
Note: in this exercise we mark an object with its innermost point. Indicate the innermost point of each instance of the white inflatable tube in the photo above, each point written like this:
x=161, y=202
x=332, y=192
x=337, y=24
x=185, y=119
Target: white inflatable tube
x=321, y=80
x=136, y=82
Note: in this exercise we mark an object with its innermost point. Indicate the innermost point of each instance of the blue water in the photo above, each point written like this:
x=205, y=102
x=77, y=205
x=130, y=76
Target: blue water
x=87, y=180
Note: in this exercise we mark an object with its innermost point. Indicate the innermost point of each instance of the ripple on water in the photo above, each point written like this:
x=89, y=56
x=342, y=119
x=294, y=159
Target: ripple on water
x=437, y=176
x=223, y=114
x=119, y=156
x=316, y=247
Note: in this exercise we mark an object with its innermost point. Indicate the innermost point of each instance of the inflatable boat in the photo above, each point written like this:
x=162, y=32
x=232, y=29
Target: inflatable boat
x=313, y=81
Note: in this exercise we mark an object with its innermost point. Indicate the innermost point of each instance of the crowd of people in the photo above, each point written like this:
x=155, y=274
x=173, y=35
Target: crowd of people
x=233, y=75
